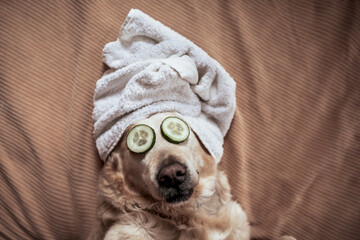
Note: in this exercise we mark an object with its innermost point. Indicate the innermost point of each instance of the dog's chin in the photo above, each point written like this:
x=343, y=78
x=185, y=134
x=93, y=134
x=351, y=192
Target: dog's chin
x=177, y=196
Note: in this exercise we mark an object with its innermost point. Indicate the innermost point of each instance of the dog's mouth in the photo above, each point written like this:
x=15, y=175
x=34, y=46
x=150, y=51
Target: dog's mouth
x=178, y=195
x=174, y=196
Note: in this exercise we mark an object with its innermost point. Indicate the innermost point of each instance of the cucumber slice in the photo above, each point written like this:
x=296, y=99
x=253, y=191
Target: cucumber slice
x=140, y=138
x=174, y=130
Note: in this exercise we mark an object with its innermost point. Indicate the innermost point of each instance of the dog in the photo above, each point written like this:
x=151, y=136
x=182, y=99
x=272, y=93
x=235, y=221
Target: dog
x=171, y=192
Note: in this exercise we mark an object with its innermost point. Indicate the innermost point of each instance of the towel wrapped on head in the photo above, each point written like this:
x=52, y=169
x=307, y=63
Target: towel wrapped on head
x=154, y=69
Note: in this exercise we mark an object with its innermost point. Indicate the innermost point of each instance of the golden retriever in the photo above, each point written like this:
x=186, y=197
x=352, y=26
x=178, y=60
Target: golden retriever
x=135, y=202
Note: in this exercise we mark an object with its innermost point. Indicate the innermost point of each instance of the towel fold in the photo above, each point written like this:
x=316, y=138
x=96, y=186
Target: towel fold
x=154, y=69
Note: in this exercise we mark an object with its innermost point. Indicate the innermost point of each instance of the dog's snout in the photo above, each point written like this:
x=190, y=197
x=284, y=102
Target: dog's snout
x=171, y=175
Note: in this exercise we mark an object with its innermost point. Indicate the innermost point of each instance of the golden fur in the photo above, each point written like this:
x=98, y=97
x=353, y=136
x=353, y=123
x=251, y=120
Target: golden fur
x=130, y=206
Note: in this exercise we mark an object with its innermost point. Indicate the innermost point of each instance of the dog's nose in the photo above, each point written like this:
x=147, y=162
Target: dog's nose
x=171, y=175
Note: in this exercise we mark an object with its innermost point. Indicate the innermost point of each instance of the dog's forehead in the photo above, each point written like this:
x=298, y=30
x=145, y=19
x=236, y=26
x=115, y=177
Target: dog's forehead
x=155, y=120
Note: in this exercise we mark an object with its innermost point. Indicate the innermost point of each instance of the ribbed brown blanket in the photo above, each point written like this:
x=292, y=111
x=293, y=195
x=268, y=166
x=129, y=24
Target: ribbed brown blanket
x=292, y=153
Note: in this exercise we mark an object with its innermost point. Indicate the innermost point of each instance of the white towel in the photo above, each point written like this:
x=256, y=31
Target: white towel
x=154, y=69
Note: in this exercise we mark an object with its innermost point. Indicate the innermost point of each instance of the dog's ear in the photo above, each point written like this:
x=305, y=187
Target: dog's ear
x=112, y=177
x=116, y=181
x=114, y=162
x=112, y=169
x=209, y=168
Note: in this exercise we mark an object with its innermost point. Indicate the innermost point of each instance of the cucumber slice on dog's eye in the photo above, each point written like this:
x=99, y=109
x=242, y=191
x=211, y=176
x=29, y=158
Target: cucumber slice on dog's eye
x=175, y=130
x=140, y=138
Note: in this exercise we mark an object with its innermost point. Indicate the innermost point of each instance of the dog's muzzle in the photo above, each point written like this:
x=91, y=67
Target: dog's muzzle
x=174, y=183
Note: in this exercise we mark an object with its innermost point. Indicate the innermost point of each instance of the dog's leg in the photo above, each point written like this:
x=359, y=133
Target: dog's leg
x=239, y=225
x=230, y=222
x=97, y=233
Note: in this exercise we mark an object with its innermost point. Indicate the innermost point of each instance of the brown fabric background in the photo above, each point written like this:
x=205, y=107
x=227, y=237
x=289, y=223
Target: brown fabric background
x=292, y=153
